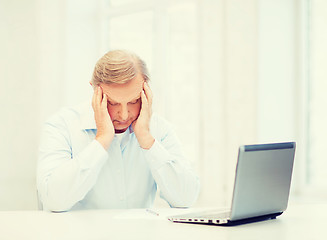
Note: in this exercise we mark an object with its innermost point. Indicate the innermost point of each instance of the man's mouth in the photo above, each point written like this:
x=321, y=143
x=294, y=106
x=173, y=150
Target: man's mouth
x=122, y=122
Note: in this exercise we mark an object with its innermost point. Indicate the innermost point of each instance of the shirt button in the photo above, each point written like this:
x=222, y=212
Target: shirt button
x=121, y=198
x=118, y=171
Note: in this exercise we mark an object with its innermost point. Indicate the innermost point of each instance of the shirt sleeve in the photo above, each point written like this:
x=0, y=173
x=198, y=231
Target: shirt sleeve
x=178, y=183
x=64, y=179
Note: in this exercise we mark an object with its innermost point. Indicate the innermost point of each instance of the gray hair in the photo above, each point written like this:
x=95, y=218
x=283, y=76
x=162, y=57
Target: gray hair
x=119, y=66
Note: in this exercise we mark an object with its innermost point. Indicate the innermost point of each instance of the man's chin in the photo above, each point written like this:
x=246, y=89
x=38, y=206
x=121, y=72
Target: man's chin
x=120, y=130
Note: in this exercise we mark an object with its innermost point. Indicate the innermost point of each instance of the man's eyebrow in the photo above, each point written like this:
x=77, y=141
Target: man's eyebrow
x=110, y=100
x=137, y=98
x=113, y=101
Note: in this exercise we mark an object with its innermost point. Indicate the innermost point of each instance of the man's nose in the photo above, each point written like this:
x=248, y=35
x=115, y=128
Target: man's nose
x=124, y=113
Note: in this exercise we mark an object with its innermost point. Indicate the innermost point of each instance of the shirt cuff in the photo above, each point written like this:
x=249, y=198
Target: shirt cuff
x=157, y=155
x=93, y=155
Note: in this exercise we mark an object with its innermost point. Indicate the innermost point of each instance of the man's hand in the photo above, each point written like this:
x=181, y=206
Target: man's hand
x=141, y=125
x=105, y=128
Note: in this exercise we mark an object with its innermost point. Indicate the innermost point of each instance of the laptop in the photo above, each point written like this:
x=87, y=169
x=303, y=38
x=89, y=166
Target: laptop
x=261, y=188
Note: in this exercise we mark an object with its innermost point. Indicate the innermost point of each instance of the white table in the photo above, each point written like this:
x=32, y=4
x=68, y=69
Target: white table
x=306, y=221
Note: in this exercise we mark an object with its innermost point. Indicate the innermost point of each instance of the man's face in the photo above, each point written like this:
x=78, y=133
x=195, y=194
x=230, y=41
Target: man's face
x=124, y=102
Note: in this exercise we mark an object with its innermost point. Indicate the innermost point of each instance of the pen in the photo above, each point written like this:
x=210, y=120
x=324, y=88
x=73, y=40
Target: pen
x=152, y=212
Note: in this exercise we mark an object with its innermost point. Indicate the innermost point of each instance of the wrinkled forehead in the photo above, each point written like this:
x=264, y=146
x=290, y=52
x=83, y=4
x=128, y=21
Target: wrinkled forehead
x=123, y=93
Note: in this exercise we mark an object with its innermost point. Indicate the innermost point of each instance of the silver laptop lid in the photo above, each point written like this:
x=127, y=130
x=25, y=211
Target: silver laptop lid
x=262, y=179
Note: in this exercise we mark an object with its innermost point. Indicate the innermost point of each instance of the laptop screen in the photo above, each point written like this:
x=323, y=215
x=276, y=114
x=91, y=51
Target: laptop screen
x=262, y=179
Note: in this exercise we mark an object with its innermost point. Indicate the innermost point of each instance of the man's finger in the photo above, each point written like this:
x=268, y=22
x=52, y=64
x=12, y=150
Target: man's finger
x=144, y=99
x=93, y=97
x=104, y=102
x=98, y=97
x=144, y=104
x=148, y=92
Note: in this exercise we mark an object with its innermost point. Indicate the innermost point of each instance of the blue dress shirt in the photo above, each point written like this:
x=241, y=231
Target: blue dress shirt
x=75, y=172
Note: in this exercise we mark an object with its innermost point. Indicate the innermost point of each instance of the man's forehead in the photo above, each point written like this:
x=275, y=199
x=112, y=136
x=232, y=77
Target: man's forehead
x=124, y=92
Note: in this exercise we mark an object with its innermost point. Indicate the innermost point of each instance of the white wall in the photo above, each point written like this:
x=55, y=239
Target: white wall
x=277, y=66
x=281, y=103
x=228, y=76
x=19, y=99
x=69, y=37
x=49, y=48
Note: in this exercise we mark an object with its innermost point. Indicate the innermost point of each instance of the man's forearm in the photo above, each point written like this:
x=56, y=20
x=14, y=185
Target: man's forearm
x=70, y=181
x=179, y=185
x=146, y=141
x=104, y=141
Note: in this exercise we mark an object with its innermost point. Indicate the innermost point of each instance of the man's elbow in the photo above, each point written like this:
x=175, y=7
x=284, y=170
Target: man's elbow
x=183, y=203
x=55, y=204
x=188, y=198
